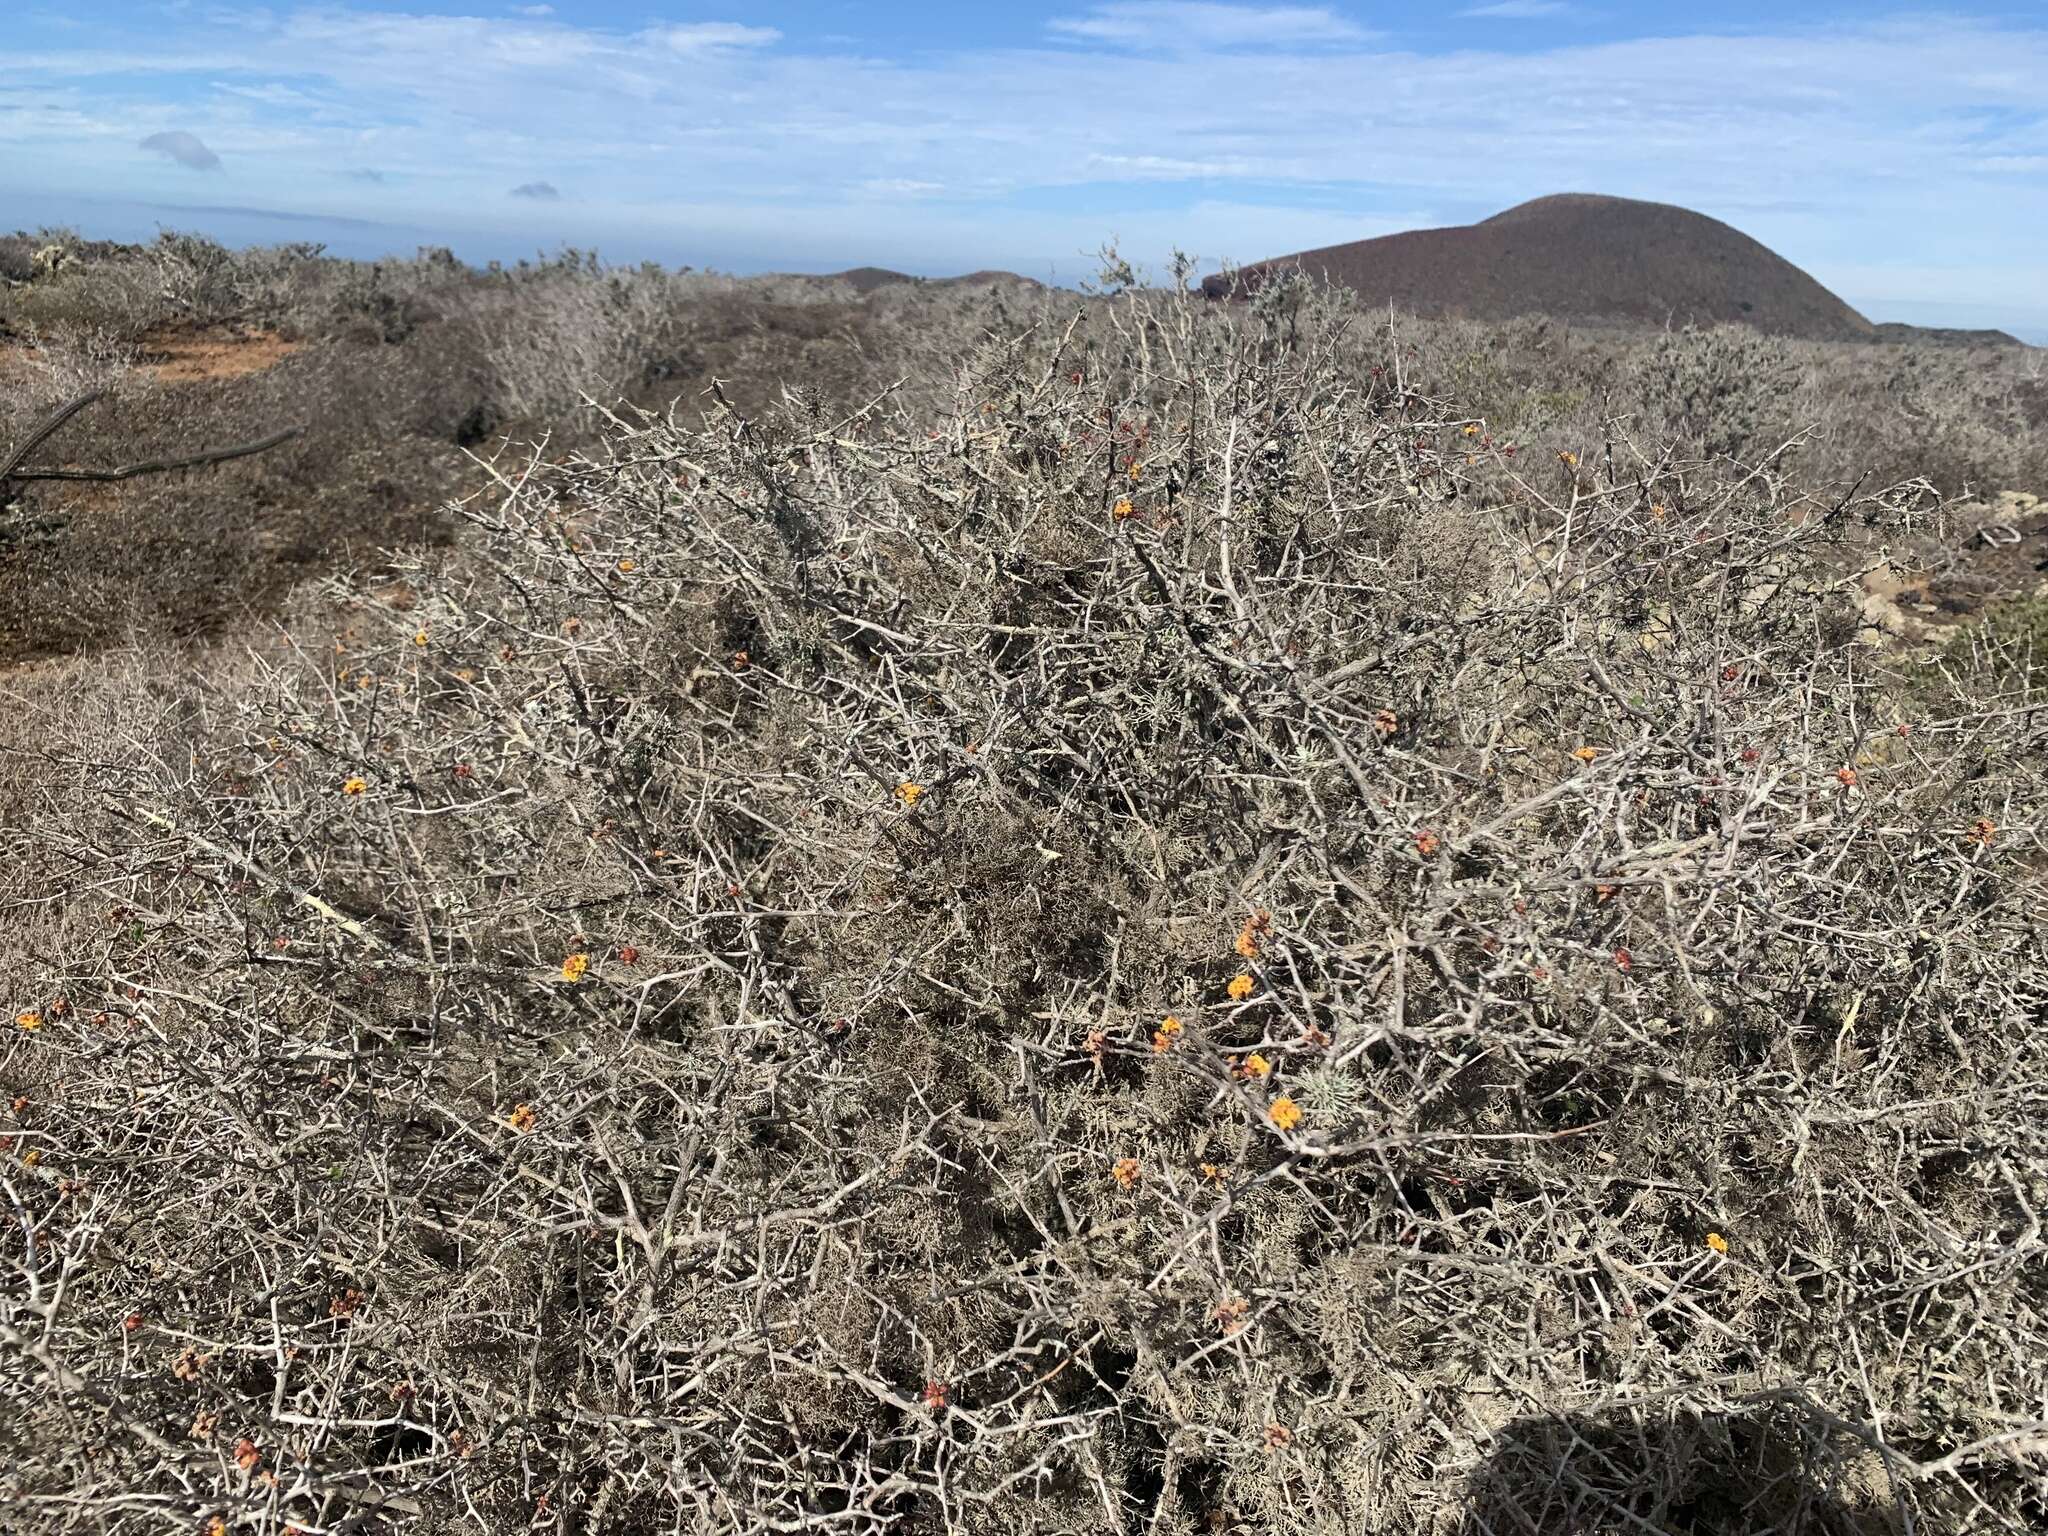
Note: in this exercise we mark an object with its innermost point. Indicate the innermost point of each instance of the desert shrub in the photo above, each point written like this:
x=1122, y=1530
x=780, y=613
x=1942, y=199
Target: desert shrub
x=17, y=258
x=1176, y=945
x=1724, y=390
x=70, y=361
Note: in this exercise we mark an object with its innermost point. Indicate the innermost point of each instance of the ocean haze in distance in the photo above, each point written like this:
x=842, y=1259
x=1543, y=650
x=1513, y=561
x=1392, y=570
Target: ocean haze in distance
x=1898, y=156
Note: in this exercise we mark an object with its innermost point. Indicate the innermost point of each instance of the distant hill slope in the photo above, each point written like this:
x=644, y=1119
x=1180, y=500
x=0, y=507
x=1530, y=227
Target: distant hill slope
x=868, y=279
x=1581, y=257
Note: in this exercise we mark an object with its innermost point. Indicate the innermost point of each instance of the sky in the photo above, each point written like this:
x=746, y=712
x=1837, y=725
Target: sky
x=1900, y=156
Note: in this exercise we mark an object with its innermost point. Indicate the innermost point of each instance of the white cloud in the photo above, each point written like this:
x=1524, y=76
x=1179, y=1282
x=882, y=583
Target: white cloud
x=1204, y=24
x=901, y=186
x=533, y=10
x=1168, y=167
x=706, y=36
x=1519, y=10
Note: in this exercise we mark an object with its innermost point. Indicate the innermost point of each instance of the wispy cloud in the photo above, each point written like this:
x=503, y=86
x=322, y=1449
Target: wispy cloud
x=533, y=10
x=901, y=186
x=538, y=191
x=1519, y=10
x=1203, y=24
x=185, y=148
x=709, y=36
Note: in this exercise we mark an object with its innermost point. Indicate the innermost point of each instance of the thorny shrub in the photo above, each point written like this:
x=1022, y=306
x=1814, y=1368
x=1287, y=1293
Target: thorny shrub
x=1180, y=945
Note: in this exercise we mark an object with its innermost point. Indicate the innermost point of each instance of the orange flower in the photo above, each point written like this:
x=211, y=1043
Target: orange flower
x=1567, y=458
x=1847, y=776
x=1247, y=943
x=1585, y=754
x=29, y=1020
x=523, y=1118
x=576, y=967
x=1427, y=843
x=354, y=785
x=1278, y=1437
x=1241, y=986
x=1256, y=1065
x=247, y=1457
x=1982, y=830
x=629, y=956
x=1386, y=722
x=1230, y=1313
x=1127, y=1172
x=1471, y=429
x=1717, y=1242
x=1213, y=1172
x=909, y=794
x=628, y=566
x=1162, y=1037
x=1122, y=509
x=419, y=637
x=1285, y=1113
x=936, y=1394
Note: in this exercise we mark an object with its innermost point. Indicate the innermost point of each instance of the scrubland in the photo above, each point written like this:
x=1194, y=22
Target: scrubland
x=1005, y=911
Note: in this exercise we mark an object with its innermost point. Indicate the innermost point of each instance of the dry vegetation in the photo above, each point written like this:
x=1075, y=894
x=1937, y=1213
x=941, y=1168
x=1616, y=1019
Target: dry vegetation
x=1174, y=927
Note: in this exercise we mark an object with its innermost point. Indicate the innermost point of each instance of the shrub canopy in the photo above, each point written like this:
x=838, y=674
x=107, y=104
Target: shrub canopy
x=1184, y=944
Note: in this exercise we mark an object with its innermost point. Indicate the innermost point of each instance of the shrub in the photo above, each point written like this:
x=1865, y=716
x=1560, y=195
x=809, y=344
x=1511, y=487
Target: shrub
x=662, y=1025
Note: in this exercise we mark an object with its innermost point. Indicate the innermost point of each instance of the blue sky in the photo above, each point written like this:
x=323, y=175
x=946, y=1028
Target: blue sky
x=1899, y=155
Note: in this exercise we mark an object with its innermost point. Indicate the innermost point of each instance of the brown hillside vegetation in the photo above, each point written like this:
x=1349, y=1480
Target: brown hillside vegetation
x=397, y=370
x=1580, y=257
x=1170, y=928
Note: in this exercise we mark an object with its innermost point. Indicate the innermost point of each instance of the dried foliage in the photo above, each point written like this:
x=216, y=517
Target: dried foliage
x=1180, y=944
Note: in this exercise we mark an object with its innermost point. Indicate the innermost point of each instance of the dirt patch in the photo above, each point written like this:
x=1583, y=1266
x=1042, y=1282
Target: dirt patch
x=1999, y=550
x=191, y=357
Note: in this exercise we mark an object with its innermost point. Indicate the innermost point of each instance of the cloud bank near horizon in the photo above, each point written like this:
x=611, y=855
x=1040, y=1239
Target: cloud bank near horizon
x=1857, y=148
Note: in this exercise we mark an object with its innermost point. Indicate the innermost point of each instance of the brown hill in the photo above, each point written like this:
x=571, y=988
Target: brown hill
x=1580, y=257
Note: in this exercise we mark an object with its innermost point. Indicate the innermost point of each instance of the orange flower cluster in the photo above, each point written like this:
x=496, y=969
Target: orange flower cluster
x=1127, y=1171
x=909, y=794
x=1285, y=1113
x=1241, y=987
x=523, y=1118
x=1163, y=1036
x=576, y=967
x=1257, y=926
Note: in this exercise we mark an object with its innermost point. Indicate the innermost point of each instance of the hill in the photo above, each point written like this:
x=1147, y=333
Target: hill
x=1580, y=257
x=868, y=279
